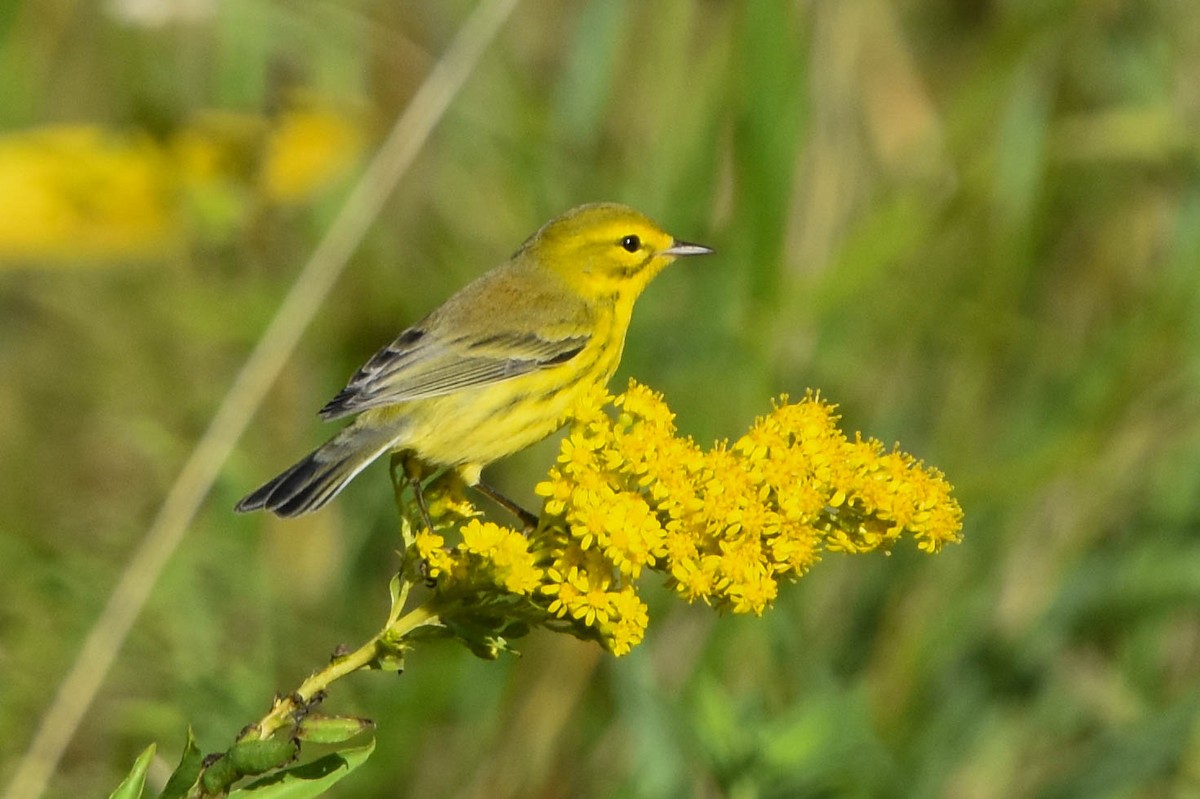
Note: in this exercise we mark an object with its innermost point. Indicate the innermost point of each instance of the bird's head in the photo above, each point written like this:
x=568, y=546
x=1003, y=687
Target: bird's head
x=606, y=250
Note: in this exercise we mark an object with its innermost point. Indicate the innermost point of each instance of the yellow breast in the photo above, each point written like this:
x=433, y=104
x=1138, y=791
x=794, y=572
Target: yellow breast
x=470, y=429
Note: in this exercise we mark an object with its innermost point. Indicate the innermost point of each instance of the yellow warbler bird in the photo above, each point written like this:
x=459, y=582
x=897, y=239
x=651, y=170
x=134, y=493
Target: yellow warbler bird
x=499, y=366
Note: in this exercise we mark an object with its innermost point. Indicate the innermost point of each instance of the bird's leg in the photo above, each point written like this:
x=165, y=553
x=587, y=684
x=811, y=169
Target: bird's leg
x=419, y=496
x=525, y=517
x=407, y=468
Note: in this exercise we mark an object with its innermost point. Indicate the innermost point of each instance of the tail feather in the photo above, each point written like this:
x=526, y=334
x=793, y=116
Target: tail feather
x=319, y=477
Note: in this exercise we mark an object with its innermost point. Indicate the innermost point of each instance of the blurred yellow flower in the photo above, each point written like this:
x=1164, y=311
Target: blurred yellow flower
x=85, y=193
x=306, y=148
x=80, y=192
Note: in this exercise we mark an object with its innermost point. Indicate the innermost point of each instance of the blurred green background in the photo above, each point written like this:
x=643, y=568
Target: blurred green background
x=974, y=224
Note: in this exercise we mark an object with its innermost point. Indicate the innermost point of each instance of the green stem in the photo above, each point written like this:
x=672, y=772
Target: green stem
x=286, y=708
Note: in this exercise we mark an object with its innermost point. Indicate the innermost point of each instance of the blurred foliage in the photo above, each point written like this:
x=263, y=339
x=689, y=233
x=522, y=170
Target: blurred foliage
x=974, y=225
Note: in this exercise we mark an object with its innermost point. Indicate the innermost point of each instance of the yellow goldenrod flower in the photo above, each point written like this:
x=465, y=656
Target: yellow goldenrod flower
x=505, y=555
x=438, y=561
x=628, y=624
x=724, y=525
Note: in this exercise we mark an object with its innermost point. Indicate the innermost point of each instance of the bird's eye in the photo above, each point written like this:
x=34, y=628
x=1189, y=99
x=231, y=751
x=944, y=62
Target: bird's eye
x=631, y=243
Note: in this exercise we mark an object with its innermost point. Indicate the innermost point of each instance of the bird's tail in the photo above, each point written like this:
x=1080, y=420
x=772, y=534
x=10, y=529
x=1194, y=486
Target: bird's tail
x=319, y=477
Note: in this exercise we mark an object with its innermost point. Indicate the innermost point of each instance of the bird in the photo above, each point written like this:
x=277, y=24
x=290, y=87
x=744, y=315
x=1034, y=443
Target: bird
x=498, y=366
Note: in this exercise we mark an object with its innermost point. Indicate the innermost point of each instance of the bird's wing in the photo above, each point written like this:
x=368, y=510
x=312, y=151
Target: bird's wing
x=421, y=364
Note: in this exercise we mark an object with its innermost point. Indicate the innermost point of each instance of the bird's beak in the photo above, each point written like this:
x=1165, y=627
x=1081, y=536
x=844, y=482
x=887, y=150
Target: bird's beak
x=684, y=248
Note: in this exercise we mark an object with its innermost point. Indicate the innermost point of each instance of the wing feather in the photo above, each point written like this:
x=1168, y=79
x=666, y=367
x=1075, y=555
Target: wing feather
x=512, y=321
x=418, y=365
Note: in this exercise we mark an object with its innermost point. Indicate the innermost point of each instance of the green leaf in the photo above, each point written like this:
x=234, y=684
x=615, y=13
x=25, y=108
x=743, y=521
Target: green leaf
x=389, y=655
x=515, y=629
x=255, y=756
x=428, y=632
x=394, y=588
x=479, y=635
x=131, y=786
x=309, y=779
x=218, y=775
x=331, y=729
x=186, y=773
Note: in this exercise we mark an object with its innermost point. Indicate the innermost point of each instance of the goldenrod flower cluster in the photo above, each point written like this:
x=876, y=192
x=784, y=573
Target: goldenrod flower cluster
x=489, y=556
x=724, y=525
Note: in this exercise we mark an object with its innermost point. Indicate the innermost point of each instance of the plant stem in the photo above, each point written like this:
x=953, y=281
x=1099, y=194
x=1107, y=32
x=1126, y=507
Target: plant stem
x=288, y=708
